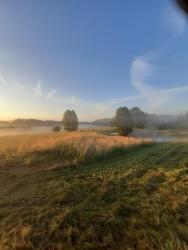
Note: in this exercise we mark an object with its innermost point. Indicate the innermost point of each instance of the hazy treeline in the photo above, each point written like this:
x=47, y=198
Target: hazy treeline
x=168, y=121
x=140, y=120
x=29, y=123
x=154, y=121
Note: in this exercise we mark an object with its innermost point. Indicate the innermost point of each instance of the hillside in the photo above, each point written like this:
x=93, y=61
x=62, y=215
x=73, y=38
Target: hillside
x=135, y=199
x=103, y=122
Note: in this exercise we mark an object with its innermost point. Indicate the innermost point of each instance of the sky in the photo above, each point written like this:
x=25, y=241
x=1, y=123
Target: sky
x=92, y=56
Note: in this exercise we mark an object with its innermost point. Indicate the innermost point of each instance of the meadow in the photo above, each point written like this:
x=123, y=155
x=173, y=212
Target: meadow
x=87, y=190
x=70, y=148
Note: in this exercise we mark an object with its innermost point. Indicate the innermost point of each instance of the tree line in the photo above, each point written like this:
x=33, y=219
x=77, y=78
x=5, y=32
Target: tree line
x=124, y=121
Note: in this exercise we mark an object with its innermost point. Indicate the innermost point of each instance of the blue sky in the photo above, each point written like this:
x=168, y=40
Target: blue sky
x=92, y=56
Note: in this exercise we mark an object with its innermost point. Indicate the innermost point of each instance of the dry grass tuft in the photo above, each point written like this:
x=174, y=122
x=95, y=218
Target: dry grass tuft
x=19, y=145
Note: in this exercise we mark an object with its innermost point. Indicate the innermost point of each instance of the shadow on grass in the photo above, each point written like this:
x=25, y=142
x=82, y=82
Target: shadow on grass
x=71, y=156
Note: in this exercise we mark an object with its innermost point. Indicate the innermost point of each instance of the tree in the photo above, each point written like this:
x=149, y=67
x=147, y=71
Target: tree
x=139, y=118
x=70, y=120
x=123, y=121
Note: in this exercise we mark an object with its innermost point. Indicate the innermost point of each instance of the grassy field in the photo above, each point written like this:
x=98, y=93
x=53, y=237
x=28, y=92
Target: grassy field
x=69, y=148
x=90, y=191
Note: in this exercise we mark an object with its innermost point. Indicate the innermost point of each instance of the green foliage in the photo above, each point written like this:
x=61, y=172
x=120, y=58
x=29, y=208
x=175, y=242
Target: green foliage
x=56, y=129
x=123, y=121
x=139, y=118
x=70, y=120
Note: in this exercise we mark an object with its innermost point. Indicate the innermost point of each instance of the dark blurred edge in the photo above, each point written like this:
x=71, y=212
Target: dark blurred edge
x=183, y=4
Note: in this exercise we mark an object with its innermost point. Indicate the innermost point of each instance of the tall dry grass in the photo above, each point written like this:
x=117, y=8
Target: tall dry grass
x=75, y=145
x=21, y=144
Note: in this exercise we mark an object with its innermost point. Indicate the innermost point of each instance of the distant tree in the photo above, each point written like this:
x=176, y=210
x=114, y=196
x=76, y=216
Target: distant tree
x=70, y=120
x=139, y=118
x=182, y=121
x=56, y=129
x=123, y=121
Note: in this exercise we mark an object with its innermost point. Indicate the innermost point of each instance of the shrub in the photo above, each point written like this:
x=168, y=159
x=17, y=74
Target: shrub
x=56, y=129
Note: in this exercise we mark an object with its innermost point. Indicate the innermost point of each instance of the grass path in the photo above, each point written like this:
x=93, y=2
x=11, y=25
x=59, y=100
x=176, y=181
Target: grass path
x=134, y=201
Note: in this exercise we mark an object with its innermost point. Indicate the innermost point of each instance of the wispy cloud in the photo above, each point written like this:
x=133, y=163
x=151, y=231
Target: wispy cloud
x=140, y=71
x=2, y=79
x=51, y=93
x=174, y=20
x=38, y=90
x=74, y=100
x=147, y=96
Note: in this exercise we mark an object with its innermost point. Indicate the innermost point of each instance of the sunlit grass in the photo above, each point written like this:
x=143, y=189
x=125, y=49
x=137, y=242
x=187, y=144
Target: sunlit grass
x=75, y=146
x=137, y=200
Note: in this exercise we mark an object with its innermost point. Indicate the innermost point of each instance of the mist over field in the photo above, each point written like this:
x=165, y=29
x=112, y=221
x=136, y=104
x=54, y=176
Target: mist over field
x=93, y=125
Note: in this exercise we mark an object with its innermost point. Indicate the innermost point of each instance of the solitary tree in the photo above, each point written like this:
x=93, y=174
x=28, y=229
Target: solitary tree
x=70, y=120
x=138, y=117
x=123, y=121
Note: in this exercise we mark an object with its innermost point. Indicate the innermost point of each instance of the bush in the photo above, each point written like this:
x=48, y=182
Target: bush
x=56, y=129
